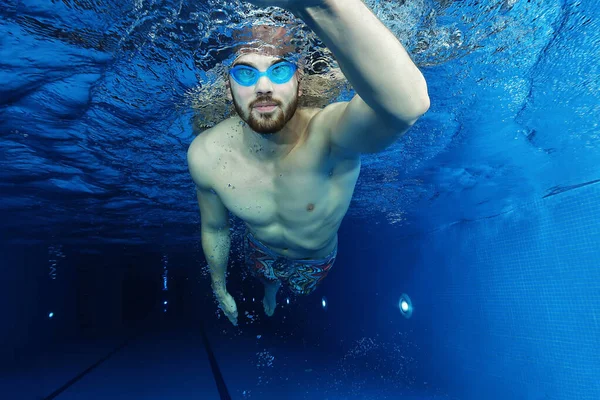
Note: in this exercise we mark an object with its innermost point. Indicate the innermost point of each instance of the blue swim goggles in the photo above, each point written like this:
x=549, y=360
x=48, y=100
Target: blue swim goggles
x=278, y=73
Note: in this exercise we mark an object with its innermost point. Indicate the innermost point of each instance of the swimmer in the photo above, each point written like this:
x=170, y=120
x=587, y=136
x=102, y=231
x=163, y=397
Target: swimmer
x=289, y=172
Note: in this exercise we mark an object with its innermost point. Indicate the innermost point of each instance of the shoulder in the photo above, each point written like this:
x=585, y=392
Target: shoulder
x=328, y=116
x=322, y=119
x=320, y=128
x=314, y=122
x=205, y=150
x=213, y=140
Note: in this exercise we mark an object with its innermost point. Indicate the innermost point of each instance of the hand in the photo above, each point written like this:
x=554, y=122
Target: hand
x=288, y=4
x=227, y=304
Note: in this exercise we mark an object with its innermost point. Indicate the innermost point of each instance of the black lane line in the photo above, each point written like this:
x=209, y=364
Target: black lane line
x=214, y=366
x=70, y=383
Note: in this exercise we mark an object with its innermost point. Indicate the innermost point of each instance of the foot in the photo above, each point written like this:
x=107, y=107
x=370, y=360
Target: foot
x=270, y=299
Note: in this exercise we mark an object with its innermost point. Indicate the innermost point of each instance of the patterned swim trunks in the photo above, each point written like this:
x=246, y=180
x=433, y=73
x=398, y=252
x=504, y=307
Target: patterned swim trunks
x=301, y=276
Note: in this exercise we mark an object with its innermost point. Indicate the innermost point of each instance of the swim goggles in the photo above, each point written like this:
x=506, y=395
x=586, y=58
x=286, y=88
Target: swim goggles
x=278, y=73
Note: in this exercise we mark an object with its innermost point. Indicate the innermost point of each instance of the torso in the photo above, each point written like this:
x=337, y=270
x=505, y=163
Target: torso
x=295, y=204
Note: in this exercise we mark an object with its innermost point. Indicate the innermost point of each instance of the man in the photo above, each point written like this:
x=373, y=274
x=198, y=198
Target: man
x=287, y=172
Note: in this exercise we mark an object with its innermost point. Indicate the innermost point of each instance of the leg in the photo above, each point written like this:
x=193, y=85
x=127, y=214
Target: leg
x=270, y=299
x=260, y=262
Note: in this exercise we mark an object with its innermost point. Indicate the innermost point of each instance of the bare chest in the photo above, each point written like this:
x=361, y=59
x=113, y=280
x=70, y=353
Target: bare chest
x=263, y=193
x=297, y=202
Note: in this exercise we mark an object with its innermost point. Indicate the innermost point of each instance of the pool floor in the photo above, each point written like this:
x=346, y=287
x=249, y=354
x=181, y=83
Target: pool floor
x=173, y=364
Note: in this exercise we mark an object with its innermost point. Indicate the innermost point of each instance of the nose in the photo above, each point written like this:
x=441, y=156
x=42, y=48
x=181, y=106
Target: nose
x=264, y=85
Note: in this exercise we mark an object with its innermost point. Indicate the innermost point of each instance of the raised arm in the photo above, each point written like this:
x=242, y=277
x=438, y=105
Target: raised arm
x=391, y=91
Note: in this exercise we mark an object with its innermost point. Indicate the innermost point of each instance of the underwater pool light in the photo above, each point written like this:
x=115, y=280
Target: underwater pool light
x=165, y=303
x=405, y=306
x=51, y=315
x=324, y=303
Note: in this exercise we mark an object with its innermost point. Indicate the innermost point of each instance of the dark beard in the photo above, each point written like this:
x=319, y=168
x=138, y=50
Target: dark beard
x=268, y=123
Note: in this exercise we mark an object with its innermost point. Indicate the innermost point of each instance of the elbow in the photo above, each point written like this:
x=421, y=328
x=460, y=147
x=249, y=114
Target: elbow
x=420, y=107
x=410, y=109
x=423, y=107
x=424, y=104
x=421, y=102
x=410, y=117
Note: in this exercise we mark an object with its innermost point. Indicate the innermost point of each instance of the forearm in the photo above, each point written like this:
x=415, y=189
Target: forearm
x=216, y=245
x=370, y=56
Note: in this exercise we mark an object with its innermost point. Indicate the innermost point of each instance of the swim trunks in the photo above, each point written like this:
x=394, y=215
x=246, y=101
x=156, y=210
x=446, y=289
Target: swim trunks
x=301, y=276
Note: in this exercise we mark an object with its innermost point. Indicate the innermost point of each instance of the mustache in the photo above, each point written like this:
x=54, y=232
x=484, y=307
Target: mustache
x=264, y=99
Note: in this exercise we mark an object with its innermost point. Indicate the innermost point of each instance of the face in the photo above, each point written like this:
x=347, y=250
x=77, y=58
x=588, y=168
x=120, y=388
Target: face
x=249, y=101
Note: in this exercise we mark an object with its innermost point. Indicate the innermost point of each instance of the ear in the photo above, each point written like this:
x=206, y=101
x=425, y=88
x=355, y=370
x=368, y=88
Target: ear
x=300, y=75
x=228, y=90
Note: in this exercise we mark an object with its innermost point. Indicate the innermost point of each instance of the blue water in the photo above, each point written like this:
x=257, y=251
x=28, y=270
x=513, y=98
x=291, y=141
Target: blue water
x=486, y=214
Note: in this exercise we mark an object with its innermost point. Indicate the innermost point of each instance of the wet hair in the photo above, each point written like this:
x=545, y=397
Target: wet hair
x=268, y=39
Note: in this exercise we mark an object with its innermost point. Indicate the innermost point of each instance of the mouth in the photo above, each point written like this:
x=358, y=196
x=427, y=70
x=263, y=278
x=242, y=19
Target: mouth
x=265, y=107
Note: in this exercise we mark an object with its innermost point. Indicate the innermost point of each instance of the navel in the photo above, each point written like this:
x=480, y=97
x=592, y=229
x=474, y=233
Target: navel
x=310, y=207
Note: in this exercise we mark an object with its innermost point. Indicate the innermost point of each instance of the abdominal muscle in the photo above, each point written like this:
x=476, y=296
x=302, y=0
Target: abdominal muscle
x=295, y=242
x=295, y=212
